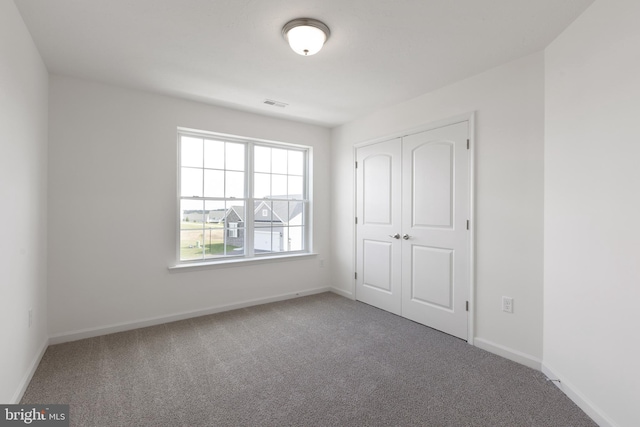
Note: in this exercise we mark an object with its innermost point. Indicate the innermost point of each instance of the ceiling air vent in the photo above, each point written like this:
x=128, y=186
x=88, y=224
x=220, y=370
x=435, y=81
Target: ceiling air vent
x=275, y=103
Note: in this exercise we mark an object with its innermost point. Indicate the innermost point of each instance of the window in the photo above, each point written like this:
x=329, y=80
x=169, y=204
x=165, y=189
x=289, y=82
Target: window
x=240, y=198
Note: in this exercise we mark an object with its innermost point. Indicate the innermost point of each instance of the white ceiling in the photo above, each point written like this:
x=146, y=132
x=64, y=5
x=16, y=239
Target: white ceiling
x=231, y=52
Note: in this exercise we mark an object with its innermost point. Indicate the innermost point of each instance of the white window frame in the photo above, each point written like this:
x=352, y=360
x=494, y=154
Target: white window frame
x=249, y=200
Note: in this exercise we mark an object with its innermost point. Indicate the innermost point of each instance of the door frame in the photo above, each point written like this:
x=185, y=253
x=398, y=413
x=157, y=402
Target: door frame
x=467, y=117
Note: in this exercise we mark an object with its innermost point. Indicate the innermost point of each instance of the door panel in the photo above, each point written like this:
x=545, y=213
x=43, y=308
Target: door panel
x=435, y=275
x=379, y=191
x=378, y=257
x=377, y=177
x=432, y=276
x=432, y=181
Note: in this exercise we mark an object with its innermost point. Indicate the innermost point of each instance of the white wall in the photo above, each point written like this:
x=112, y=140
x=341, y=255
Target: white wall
x=592, y=211
x=23, y=192
x=509, y=191
x=112, y=157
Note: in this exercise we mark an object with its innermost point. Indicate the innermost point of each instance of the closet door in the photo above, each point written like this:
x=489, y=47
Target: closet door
x=435, y=239
x=378, y=256
x=412, y=241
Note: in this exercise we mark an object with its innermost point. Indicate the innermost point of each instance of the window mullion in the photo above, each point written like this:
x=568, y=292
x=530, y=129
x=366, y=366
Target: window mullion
x=204, y=204
x=249, y=204
x=179, y=210
x=306, y=206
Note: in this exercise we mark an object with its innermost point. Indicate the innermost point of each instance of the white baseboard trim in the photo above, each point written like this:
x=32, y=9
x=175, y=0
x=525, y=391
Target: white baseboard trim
x=508, y=353
x=578, y=398
x=342, y=293
x=143, y=323
x=17, y=396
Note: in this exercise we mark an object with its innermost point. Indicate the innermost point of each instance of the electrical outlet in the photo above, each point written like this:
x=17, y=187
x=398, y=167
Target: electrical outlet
x=507, y=304
x=321, y=263
x=30, y=317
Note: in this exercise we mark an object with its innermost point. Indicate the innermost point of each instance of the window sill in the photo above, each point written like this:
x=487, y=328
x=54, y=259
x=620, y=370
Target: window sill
x=238, y=262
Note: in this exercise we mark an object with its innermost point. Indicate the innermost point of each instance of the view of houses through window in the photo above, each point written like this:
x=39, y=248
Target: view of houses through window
x=240, y=198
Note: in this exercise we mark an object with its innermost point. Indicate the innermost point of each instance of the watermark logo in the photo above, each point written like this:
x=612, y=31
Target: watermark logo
x=34, y=415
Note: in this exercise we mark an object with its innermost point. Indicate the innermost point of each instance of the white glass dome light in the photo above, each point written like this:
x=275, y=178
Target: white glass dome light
x=306, y=36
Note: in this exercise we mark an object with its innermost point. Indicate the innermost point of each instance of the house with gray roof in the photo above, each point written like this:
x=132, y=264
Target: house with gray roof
x=277, y=225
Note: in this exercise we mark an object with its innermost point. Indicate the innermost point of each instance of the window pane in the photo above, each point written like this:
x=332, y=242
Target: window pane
x=294, y=238
x=213, y=241
x=262, y=159
x=191, y=182
x=235, y=212
x=234, y=156
x=234, y=237
x=213, y=154
x=191, y=244
x=261, y=185
x=296, y=213
x=278, y=161
x=234, y=185
x=262, y=240
x=213, y=183
x=279, y=186
x=263, y=213
x=296, y=163
x=215, y=211
x=296, y=184
x=191, y=225
x=234, y=224
x=191, y=151
x=191, y=214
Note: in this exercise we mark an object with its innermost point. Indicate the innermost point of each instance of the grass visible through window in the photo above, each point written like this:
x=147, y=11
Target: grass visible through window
x=196, y=240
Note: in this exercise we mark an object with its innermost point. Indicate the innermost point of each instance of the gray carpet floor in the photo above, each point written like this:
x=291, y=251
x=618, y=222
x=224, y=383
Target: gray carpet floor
x=322, y=360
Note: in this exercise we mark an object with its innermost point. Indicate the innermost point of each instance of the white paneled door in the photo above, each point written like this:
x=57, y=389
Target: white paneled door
x=435, y=251
x=413, y=242
x=379, y=206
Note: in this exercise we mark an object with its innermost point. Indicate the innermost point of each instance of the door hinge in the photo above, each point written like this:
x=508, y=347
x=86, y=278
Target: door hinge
x=356, y=220
x=467, y=305
x=356, y=165
x=468, y=144
x=356, y=275
x=467, y=224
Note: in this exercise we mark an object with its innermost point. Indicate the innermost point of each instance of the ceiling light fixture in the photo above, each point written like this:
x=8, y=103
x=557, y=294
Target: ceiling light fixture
x=306, y=36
